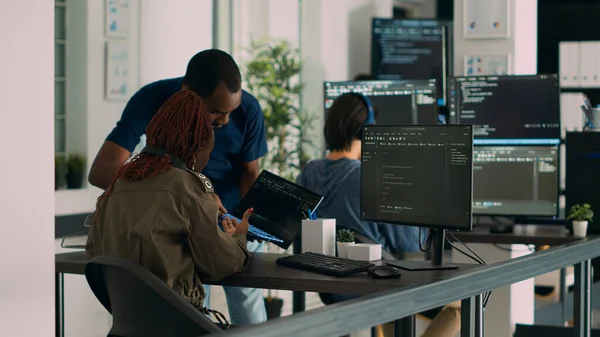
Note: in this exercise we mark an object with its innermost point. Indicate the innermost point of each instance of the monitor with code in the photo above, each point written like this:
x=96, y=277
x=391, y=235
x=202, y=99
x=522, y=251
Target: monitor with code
x=412, y=49
x=507, y=110
x=418, y=175
x=395, y=102
x=516, y=180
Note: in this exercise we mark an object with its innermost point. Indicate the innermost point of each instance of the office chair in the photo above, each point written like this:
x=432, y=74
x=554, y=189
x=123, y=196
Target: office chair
x=141, y=304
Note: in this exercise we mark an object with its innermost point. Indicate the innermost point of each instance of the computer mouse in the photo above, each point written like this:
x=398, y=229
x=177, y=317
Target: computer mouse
x=384, y=272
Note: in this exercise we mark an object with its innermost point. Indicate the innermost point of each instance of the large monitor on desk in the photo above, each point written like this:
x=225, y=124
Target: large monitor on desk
x=395, y=102
x=418, y=176
x=507, y=109
x=412, y=49
x=516, y=180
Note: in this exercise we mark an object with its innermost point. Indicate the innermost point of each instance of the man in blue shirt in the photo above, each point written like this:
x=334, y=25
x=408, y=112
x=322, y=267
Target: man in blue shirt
x=240, y=141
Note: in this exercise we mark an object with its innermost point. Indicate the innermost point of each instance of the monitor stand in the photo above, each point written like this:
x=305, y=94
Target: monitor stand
x=437, y=246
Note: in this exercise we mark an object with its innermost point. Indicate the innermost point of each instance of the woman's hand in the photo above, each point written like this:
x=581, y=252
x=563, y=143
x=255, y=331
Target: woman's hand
x=228, y=225
x=242, y=227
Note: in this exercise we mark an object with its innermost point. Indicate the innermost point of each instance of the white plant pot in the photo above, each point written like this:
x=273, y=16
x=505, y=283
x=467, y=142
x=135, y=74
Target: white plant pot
x=365, y=252
x=342, y=248
x=580, y=229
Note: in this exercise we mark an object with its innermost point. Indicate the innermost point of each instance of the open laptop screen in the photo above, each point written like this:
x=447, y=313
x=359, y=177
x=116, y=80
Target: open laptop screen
x=279, y=207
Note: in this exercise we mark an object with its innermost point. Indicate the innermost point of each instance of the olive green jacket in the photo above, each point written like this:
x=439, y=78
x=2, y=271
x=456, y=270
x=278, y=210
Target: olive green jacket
x=168, y=224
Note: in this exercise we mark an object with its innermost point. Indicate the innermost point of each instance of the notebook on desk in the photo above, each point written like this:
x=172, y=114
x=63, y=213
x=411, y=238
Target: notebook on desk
x=279, y=207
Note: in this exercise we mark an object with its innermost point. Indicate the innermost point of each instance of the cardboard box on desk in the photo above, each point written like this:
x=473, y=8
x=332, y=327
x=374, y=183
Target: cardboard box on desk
x=364, y=252
x=318, y=236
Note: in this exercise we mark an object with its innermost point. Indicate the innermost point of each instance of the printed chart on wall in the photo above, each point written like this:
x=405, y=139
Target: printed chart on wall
x=476, y=65
x=486, y=19
x=117, y=70
x=117, y=18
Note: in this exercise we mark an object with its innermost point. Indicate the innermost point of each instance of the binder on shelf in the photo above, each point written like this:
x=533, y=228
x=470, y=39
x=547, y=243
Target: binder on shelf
x=589, y=66
x=571, y=119
x=569, y=59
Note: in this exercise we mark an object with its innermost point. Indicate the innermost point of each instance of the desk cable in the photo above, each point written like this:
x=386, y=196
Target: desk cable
x=473, y=256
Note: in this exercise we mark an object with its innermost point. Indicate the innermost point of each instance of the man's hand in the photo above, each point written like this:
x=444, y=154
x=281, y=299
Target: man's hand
x=222, y=209
x=242, y=227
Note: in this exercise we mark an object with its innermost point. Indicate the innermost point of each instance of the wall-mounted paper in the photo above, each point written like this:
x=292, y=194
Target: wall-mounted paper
x=486, y=19
x=476, y=65
x=117, y=18
x=117, y=70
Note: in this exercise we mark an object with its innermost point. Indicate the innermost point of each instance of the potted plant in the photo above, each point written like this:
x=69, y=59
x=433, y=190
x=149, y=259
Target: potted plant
x=345, y=238
x=272, y=76
x=580, y=215
x=75, y=171
x=60, y=172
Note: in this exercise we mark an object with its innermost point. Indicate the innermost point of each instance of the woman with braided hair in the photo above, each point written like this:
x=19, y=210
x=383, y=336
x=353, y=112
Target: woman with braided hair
x=161, y=213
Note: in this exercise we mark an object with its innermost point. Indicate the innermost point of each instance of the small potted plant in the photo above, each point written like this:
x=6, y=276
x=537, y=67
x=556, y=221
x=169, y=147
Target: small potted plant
x=580, y=215
x=75, y=171
x=345, y=238
x=60, y=172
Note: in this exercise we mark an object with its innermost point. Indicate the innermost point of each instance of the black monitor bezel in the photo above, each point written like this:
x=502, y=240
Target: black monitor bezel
x=532, y=215
x=420, y=224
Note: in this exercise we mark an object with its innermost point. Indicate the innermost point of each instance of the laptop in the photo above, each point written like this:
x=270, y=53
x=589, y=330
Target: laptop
x=279, y=207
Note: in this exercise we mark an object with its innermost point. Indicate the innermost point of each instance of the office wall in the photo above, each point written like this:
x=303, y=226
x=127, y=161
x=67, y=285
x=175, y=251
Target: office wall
x=167, y=33
x=171, y=33
x=336, y=45
x=91, y=116
x=27, y=95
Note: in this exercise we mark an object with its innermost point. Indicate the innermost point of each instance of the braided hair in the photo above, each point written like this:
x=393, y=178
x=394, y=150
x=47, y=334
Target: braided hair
x=181, y=126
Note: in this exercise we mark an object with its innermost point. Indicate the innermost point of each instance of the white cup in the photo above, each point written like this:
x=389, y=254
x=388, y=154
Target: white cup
x=580, y=229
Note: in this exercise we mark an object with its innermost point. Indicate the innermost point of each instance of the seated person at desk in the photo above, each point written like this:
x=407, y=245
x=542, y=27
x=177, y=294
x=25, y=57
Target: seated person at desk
x=337, y=178
x=161, y=213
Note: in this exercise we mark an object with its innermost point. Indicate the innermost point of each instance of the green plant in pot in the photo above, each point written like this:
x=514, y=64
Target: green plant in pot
x=580, y=215
x=75, y=171
x=345, y=238
x=272, y=76
x=60, y=172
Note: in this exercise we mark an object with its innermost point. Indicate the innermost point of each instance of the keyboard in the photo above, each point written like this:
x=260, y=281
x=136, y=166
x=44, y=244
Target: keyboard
x=324, y=264
x=258, y=233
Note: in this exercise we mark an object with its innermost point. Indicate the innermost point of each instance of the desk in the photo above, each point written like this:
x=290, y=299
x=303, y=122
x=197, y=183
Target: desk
x=262, y=272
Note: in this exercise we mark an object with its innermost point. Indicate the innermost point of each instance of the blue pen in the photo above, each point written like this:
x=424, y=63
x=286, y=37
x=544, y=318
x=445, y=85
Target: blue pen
x=312, y=215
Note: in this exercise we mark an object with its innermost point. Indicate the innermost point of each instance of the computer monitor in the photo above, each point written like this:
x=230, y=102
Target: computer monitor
x=507, y=109
x=396, y=102
x=412, y=49
x=418, y=176
x=583, y=171
x=518, y=181
x=279, y=207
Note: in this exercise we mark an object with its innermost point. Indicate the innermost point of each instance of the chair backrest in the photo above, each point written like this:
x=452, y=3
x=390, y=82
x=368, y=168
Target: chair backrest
x=141, y=304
